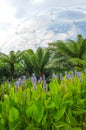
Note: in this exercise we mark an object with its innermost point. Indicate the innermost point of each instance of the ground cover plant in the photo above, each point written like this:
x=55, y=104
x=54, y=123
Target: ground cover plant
x=59, y=105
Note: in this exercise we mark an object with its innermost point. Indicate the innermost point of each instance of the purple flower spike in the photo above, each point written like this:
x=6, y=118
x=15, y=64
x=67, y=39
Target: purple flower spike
x=20, y=81
x=43, y=77
x=69, y=76
x=40, y=79
x=34, y=86
x=78, y=74
x=34, y=80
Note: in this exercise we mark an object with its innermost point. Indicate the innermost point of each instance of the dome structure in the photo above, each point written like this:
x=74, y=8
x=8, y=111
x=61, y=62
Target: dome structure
x=54, y=24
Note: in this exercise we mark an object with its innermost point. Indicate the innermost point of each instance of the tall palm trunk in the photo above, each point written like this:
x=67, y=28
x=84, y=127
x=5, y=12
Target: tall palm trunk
x=40, y=73
x=12, y=70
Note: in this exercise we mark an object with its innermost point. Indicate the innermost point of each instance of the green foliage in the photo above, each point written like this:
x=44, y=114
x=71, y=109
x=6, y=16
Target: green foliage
x=63, y=107
x=4, y=71
x=11, y=59
x=60, y=56
x=36, y=61
x=13, y=114
x=69, y=54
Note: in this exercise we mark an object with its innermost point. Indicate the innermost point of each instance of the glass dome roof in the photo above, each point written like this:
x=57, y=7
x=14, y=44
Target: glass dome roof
x=54, y=24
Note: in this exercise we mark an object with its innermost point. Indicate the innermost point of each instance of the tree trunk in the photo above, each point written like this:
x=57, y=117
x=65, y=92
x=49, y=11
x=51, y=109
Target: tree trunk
x=12, y=71
x=40, y=73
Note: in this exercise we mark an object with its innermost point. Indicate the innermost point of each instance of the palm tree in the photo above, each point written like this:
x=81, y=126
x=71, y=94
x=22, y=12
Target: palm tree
x=37, y=60
x=25, y=62
x=4, y=71
x=70, y=53
x=11, y=59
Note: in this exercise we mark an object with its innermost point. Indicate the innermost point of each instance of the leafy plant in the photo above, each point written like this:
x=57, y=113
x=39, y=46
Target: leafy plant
x=62, y=107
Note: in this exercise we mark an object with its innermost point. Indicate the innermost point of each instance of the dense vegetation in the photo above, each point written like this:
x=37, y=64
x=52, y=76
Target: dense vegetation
x=60, y=56
x=59, y=105
x=30, y=98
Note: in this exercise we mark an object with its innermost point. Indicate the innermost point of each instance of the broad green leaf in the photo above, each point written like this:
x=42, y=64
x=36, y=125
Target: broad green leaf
x=36, y=111
x=72, y=119
x=44, y=121
x=14, y=125
x=29, y=111
x=6, y=105
x=3, y=122
x=11, y=93
x=59, y=114
x=49, y=103
x=13, y=114
x=57, y=100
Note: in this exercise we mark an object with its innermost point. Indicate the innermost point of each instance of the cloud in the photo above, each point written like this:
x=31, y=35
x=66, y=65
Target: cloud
x=36, y=17
x=4, y=25
x=26, y=8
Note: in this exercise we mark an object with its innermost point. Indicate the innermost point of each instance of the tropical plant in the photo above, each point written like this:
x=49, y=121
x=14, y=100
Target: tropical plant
x=70, y=54
x=4, y=71
x=11, y=59
x=25, y=62
x=36, y=61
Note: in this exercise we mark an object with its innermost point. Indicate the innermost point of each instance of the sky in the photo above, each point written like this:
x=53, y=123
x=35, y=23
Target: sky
x=13, y=12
